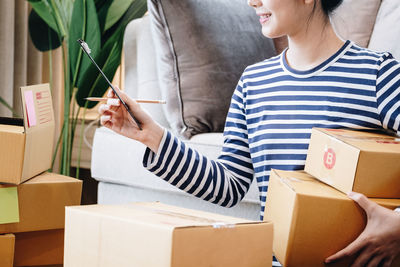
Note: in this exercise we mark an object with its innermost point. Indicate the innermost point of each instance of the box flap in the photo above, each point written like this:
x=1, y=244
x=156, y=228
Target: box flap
x=39, y=128
x=161, y=215
x=52, y=178
x=12, y=129
x=303, y=183
x=37, y=106
x=371, y=140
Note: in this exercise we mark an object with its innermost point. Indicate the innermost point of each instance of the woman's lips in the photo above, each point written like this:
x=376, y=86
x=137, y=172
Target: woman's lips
x=264, y=18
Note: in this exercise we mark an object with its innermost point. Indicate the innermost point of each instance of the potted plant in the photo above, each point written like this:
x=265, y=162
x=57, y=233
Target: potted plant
x=100, y=23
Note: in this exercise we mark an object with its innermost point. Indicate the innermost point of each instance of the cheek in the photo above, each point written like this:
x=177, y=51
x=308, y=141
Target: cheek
x=273, y=29
x=282, y=23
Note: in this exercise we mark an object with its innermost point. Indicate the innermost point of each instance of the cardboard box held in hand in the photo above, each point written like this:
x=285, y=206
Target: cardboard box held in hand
x=312, y=220
x=27, y=145
x=154, y=234
x=360, y=161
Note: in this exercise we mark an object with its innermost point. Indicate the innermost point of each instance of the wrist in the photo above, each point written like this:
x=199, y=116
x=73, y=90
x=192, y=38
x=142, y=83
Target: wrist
x=153, y=136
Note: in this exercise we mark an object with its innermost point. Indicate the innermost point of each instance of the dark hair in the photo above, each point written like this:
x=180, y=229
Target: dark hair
x=328, y=6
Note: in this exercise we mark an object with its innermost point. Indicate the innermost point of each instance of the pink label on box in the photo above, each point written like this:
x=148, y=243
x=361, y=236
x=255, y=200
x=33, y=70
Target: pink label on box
x=30, y=108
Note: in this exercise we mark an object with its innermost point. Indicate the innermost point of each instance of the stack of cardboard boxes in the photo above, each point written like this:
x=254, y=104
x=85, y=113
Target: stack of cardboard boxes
x=313, y=217
x=32, y=201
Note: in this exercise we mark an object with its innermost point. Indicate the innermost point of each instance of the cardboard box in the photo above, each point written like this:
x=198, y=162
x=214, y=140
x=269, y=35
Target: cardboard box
x=7, y=250
x=357, y=161
x=311, y=219
x=42, y=202
x=39, y=248
x=27, y=145
x=154, y=234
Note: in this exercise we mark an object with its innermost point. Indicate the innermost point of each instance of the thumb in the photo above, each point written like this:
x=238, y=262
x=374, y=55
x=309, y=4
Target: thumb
x=363, y=201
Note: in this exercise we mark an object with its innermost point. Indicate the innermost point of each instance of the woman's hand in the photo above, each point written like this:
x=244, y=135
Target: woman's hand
x=115, y=117
x=379, y=243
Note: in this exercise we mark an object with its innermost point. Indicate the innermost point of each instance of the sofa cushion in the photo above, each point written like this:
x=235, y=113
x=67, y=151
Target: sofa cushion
x=202, y=48
x=109, y=193
x=354, y=20
x=117, y=159
x=386, y=34
x=141, y=79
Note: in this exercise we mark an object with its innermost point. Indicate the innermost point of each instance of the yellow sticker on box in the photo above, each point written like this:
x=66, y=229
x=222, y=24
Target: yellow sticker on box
x=9, y=211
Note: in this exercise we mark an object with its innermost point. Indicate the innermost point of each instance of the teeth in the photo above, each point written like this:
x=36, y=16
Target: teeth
x=265, y=16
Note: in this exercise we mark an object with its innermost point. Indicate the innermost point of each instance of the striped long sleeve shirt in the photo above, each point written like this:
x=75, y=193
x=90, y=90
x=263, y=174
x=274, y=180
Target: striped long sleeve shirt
x=270, y=118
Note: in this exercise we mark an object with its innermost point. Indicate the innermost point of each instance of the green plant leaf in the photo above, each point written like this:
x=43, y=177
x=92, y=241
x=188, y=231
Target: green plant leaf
x=85, y=26
x=4, y=103
x=65, y=8
x=93, y=83
x=43, y=37
x=136, y=10
x=102, y=13
x=44, y=10
x=117, y=9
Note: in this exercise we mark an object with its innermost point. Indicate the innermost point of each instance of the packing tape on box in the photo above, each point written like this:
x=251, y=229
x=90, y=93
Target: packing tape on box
x=223, y=225
x=174, y=214
x=384, y=140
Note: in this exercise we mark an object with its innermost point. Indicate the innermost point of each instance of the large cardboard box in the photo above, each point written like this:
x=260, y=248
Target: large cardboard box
x=39, y=248
x=27, y=145
x=7, y=250
x=311, y=219
x=42, y=201
x=359, y=161
x=154, y=234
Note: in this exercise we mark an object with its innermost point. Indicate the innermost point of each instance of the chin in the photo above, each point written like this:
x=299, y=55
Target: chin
x=271, y=33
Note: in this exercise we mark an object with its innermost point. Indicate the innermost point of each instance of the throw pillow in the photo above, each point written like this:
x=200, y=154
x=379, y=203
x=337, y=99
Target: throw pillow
x=141, y=79
x=386, y=34
x=354, y=20
x=202, y=48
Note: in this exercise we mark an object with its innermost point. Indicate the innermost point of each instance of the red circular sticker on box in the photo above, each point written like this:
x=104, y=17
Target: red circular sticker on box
x=329, y=158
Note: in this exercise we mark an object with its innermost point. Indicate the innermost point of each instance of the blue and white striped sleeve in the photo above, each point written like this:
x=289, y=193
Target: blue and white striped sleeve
x=224, y=181
x=388, y=92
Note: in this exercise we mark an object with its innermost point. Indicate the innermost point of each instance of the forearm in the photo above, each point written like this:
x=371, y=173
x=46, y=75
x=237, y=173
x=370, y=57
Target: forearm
x=190, y=171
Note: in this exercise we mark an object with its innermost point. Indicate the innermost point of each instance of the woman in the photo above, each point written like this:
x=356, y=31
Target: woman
x=319, y=81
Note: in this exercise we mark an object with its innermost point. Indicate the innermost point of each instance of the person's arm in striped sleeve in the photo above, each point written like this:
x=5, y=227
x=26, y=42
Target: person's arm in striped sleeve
x=224, y=181
x=388, y=92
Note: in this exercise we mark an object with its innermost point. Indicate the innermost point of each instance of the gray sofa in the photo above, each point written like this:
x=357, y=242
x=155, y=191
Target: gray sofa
x=117, y=161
